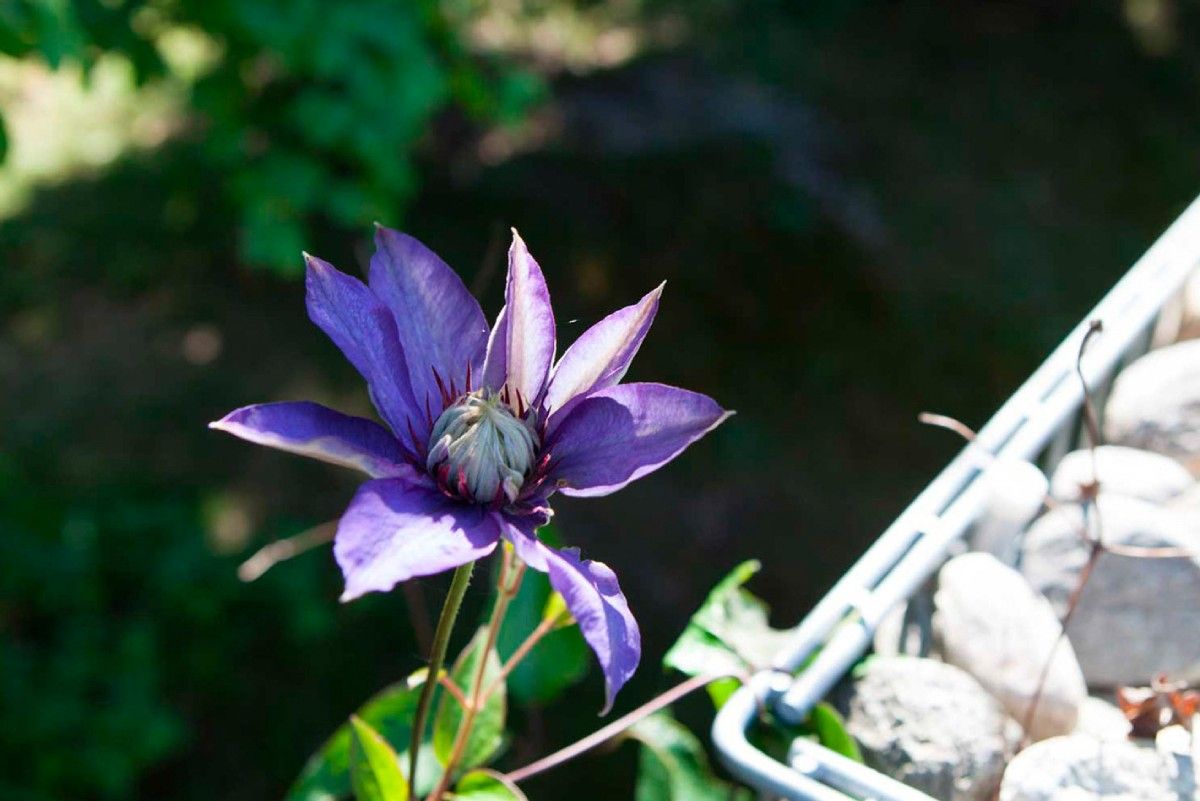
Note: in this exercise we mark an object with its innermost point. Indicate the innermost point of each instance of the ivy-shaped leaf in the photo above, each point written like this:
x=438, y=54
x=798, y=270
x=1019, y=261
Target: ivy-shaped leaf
x=729, y=631
x=374, y=767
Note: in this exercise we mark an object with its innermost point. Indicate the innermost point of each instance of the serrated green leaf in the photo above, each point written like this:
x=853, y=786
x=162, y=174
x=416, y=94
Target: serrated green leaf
x=326, y=775
x=729, y=632
x=673, y=766
x=374, y=767
x=831, y=731
x=487, y=785
x=487, y=731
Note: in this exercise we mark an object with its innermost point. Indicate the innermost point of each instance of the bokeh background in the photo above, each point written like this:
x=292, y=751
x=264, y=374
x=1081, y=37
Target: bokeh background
x=862, y=208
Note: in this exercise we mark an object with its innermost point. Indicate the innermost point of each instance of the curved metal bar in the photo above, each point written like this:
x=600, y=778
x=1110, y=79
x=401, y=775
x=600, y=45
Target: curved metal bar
x=909, y=550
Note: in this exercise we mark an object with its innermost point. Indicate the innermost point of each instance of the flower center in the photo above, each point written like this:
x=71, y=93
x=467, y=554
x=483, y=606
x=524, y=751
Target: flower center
x=480, y=451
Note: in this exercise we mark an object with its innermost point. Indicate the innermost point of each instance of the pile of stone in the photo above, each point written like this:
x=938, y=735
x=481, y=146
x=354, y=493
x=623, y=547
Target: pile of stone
x=946, y=703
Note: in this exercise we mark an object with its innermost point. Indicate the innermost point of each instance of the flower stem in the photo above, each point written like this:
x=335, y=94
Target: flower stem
x=437, y=656
x=545, y=627
x=601, y=736
x=505, y=591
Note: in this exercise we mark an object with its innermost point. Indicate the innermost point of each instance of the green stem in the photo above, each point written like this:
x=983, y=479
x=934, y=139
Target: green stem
x=441, y=640
x=505, y=592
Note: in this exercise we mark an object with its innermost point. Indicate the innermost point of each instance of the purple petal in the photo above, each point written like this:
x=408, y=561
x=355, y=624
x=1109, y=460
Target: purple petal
x=396, y=529
x=495, y=362
x=622, y=433
x=313, y=430
x=595, y=599
x=602, y=354
x=521, y=347
x=358, y=323
x=440, y=323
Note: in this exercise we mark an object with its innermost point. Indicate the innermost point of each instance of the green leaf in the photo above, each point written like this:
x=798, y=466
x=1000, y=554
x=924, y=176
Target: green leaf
x=487, y=785
x=326, y=775
x=487, y=732
x=831, y=731
x=673, y=765
x=560, y=659
x=729, y=631
x=720, y=690
x=556, y=609
x=374, y=767
x=696, y=652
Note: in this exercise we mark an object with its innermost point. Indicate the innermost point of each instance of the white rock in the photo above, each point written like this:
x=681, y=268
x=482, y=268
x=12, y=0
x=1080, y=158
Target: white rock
x=1076, y=768
x=1136, y=617
x=1180, y=315
x=895, y=635
x=994, y=626
x=1121, y=471
x=1190, y=325
x=1155, y=404
x=1188, y=503
x=1101, y=720
x=929, y=725
x=1014, y=491
x=1175, y=745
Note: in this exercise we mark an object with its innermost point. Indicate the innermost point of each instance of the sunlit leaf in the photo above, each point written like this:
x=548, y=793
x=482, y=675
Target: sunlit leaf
x=673, y=765
x=487, y=732
x=729, y=632
x=374, y=767
x=831, y=731
x=486, y=785
x=720, y=690
x=326, y=775
x=556, y=610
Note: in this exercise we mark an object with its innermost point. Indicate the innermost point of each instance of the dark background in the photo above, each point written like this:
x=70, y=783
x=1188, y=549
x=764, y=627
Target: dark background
x=862, y=210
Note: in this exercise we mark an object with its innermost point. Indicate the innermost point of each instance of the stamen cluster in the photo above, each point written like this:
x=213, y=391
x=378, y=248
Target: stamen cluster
x=480, y=450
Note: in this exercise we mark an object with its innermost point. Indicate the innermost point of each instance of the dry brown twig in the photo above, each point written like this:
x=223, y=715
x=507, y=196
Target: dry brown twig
x=1089, y=494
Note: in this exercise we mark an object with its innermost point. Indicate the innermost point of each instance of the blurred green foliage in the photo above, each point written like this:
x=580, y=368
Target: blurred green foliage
x=103, y=618
x=309, y=111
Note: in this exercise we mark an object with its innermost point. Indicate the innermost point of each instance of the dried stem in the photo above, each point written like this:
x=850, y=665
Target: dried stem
x=1096, y=543
x=437, y=657
x=948, y=423
x=601, y=736
x=1090, y=419
x=1146, y=552
x=1072, y=605
x=272, y=554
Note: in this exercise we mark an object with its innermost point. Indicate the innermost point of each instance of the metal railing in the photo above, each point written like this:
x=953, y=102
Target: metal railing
x=1041, y=418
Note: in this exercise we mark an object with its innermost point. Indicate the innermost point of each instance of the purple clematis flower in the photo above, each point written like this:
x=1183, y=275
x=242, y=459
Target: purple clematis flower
x=482, y=428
